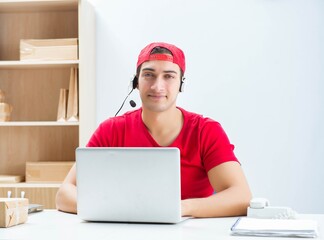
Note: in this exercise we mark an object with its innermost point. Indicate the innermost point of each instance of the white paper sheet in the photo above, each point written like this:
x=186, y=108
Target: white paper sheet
x=275, y=227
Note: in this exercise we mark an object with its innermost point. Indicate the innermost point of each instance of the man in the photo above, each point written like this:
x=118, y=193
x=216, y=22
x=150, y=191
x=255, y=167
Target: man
x=212, y=180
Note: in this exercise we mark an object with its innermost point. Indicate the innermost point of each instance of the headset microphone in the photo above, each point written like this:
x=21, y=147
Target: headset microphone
x=124, y=102
x=132, y=103
x=134, y=83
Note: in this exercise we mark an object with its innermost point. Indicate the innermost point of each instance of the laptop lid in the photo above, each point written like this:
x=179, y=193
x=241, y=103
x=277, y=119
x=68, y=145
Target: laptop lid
x=129, y=184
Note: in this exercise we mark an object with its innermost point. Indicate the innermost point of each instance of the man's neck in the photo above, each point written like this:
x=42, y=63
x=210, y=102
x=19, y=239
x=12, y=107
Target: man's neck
x=164, y=127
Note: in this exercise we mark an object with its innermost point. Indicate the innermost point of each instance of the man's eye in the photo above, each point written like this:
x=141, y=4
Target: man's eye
x=169, y=76
x=148, y=75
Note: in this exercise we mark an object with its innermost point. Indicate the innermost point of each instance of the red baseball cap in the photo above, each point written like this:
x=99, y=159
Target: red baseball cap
x=177, y=57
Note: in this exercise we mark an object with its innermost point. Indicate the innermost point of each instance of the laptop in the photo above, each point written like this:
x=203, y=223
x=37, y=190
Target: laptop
x=129, y=184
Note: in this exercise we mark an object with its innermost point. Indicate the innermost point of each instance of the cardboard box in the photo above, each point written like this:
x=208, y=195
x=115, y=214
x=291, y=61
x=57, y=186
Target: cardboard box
x=49, y=49
x=47, y=171
x=13, y=211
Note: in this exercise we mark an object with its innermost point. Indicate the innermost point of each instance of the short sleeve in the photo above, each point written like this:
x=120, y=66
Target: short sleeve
x=215, y=145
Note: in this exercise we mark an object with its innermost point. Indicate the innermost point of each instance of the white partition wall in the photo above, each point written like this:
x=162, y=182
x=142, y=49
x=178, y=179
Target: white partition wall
x=255, y=66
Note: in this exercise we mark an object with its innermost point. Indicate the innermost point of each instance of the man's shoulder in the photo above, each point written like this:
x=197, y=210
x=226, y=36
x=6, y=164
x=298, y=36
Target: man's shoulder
x=122, y=119
x=133, y=113
x=196, y=117
x=189, y=114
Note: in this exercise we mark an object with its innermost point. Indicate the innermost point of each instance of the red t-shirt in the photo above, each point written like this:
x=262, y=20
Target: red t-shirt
x=202, y=142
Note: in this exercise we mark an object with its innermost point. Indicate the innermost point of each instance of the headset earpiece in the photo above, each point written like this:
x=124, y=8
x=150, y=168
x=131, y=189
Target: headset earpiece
x=134, y=82
x=182, y=84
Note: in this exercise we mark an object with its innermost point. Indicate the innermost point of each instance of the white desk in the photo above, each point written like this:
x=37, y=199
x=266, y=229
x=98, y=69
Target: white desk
x=52, y=224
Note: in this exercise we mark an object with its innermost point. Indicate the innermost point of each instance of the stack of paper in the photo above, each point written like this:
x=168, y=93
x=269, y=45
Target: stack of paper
x=275, y=227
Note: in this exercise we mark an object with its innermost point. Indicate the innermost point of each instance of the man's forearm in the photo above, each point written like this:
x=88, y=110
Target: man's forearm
x=230, y=202
x=66, y=198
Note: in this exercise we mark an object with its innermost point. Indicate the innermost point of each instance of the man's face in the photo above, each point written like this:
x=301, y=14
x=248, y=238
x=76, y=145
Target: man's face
x=158, y=84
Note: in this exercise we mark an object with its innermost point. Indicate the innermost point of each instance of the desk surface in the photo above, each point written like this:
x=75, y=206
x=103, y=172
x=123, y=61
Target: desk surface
x=52, y=224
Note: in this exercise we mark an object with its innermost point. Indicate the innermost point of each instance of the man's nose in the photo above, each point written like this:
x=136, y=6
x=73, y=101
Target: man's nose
x=158, y=83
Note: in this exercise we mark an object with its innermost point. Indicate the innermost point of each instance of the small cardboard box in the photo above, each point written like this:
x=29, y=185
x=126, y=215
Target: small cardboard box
x=49, y=49
x=47, y=171
x=13, y=211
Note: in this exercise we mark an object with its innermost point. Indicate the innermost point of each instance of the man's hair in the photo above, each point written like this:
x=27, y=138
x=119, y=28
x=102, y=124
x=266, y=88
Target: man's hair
x=158, y=50
x=161, y=50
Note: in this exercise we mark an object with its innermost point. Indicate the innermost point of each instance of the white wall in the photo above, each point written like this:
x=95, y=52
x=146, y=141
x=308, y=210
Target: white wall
x=256, y=66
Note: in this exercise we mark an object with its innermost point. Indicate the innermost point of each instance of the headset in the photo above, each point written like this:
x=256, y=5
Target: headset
x=134, y=84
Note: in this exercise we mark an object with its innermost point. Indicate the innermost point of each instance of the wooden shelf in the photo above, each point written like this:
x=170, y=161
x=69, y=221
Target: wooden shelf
x=38, y=64
x=37, y=124
x=33, y=87
x=8, y=6
x=31, y=185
